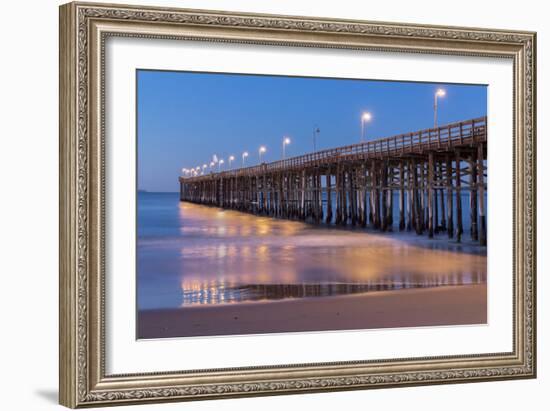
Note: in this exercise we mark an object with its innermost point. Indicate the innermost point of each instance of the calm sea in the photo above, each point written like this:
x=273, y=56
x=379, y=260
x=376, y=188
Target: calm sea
x=189, y=254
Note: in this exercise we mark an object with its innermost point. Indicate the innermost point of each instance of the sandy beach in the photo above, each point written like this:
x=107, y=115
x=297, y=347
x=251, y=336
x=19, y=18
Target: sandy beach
x=447, y=305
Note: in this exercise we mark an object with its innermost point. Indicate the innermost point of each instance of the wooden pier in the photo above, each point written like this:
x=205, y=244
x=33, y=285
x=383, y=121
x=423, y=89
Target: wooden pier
x=429, y=170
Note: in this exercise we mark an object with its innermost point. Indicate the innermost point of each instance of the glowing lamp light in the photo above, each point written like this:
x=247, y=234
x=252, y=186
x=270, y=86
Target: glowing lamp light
x=366, y=116
x=286, y=140
x=261, y=150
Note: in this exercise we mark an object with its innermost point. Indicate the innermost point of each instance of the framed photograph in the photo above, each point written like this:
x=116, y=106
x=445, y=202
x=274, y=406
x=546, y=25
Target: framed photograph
x=259, y=204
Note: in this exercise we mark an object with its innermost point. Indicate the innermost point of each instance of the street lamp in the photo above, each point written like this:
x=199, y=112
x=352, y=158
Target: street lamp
x=286, y=140
x=261, y=150
x=220, y=164
x=365, y=118
x=204, y=166
x=315, y=132
x=212, y=164
x=245, y=155
x=231, y=158
x=439, y=93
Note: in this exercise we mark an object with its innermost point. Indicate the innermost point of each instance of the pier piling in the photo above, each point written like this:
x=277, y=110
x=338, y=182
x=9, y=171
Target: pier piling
x=428, y=170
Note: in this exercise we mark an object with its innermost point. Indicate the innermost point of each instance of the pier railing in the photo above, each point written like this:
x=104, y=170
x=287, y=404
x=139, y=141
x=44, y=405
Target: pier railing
x=444, y=138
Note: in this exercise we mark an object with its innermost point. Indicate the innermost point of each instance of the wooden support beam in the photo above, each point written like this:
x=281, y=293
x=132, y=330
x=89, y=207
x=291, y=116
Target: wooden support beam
x=338, y=177
x=389, y=224
x=384, y=195
x=473, y=197
x=329, y=196
x=425, y=211
x=449, y=184
x=410, y=219
x=267, y=193
x=303, y=196
x=345, y=185
x=315, y=196
x=443, y=225
x=458, y=198
x=288, y=196
x=362, y=183
x=417, y=210
x=319, y=197
x=390, y=200
x=370, y=179
x=401, y=196
x=435, y=199
x=309, y=189
x=375, y=205
x=481, y=192
x=352, y=189
x=365, y=195
x=430, y=195
x=421, y=194
x=358, y=195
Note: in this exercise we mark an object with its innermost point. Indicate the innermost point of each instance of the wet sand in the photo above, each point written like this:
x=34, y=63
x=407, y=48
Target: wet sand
x=443, y=305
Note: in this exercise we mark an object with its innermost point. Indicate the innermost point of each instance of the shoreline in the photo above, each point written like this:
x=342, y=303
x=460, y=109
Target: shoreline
x=440, y=240
x=434, y=306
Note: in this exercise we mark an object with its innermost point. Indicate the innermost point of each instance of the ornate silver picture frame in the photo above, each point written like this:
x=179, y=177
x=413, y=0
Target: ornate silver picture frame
x=84, y=30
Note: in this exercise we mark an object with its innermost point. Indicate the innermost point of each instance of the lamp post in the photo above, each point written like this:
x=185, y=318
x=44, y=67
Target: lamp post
x=231, y=158
x=245, y=155
x=204, y=166
x=286, y=140
x=220, y=164
x=261, y=150
x=365, y=117
x=439, y=93
x=315, y=132
x=212, y=164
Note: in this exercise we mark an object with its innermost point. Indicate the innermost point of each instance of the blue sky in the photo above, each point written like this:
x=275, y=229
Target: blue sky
x=184, y=118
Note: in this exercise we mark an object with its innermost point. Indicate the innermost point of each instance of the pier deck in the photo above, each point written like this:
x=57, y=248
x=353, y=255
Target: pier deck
x=354, y=185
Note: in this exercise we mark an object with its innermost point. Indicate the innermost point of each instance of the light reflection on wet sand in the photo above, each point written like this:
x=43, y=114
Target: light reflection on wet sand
x=220, y=256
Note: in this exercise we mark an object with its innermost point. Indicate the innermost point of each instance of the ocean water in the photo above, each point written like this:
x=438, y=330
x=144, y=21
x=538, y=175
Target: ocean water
x=189, y=254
